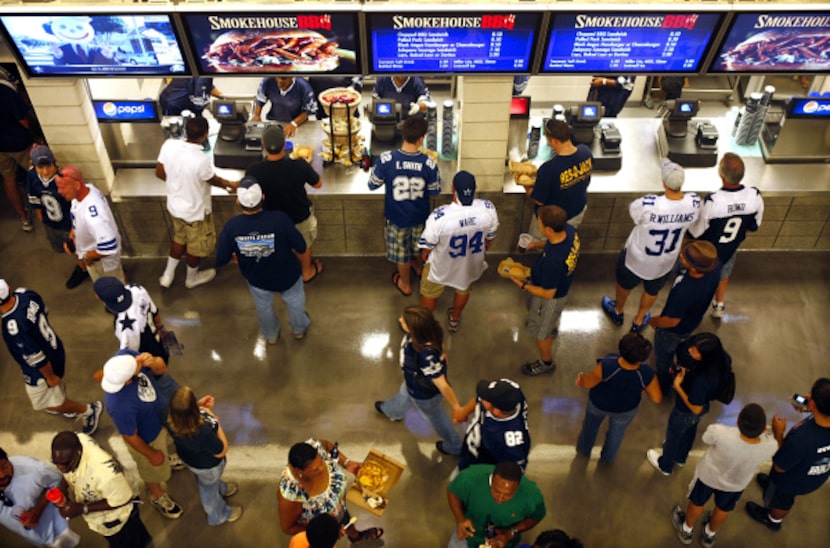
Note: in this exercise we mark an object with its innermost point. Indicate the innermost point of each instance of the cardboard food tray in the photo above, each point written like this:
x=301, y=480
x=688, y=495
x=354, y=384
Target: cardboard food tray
x=359, y=494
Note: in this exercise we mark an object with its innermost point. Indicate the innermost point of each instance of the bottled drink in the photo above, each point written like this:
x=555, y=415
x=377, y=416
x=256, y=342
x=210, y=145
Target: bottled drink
x=56, y=497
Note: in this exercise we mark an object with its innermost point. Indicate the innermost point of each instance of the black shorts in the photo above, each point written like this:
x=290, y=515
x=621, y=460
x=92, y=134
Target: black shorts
x=629, y=280
x=724, y=500
x=773, y=498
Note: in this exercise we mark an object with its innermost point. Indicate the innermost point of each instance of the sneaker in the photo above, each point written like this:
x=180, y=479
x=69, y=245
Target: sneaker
x=380, y=410
x=236, y=513
x=608, y=305
x=67, y=415
x=78, y=276
x=761, y=515
x=707, y=541
x=680, y=464
x=273, y=340
x=637, y=327
x=165, y=280
x=718, y=309
x=201, y=277
x=233, y=488
x=26, y=224
x=175, y=462
x=538, y=368
x=452, y=325
x=653, y=456
x=167, y=507
x=678, y=518
x=301, y=335
x=440, y=446
x=91, y=420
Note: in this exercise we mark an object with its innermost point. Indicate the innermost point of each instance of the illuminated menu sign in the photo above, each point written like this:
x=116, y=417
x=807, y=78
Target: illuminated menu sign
x=266, y=43
x=629, y=42
x=95, y=45
x=776, y=42
x=452, y=42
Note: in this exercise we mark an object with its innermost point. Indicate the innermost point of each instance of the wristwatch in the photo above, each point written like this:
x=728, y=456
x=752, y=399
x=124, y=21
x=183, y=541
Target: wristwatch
x=86, y=509
x=513, y=532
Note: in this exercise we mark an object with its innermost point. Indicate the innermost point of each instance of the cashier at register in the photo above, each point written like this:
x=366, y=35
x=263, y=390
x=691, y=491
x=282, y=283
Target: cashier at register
x=409, y=91
x=292, y=102
x=191, y=94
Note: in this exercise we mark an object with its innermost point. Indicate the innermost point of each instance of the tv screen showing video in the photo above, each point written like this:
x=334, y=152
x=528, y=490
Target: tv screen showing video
x=268, y=43
x=464, y=43
x=95, y=45
x=776, y=42
x=629, y=42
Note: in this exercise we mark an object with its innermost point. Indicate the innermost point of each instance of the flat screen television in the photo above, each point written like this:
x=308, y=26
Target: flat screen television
x=629, y=42
x=274, y=43
x=461, y=42
x=99, y=44
x=775, y=42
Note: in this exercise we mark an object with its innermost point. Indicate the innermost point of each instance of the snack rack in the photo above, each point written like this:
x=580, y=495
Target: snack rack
x=339, y=145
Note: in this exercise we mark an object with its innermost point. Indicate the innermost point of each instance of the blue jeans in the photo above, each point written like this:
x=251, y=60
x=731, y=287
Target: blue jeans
x=396, y=407
x=294, y=299
x=617, y=423
x=680, y=436
x=665, y=348
x=211, y=492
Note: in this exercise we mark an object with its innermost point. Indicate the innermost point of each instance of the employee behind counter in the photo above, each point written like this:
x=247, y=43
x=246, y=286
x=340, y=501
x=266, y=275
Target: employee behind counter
x=292, y=101
x=409, y=91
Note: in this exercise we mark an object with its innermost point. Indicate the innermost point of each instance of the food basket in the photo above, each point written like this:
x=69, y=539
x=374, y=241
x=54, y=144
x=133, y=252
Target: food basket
x=341, y=126
x=378, y=474
x=339, y=99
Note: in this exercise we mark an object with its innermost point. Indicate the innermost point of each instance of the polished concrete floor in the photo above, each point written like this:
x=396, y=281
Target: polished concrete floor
x=776, y=328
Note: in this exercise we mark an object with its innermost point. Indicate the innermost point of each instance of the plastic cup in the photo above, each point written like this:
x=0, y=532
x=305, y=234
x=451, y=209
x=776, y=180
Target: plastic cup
x=524, y=241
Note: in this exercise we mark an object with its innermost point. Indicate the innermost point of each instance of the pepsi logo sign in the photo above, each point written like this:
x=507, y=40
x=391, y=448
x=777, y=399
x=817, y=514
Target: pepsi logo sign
x=811, y=107
x=111, y=109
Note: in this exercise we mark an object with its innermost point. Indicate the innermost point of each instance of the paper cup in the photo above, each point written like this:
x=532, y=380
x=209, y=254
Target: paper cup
x=524, y=241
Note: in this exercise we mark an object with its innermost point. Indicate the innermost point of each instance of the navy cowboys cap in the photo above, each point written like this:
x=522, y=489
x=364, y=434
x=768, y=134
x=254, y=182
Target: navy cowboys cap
x=504, y=394
x=464, y=184
x=112, y=292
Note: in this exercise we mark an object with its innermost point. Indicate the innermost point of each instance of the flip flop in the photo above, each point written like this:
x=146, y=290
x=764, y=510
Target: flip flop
x=395, y=279
x=373, y=533
x=318, y=268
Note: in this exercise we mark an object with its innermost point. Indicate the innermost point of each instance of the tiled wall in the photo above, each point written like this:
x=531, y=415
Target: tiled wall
x=354, y=225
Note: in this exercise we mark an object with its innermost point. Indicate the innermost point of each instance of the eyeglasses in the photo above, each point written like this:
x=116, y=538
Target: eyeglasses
x=5, y=499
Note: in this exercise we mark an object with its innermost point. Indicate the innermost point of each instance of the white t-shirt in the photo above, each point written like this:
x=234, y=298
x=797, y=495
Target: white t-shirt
x=95, y=228
x=731, y=463
x=456, y=235
x=654, y=243
x=188, y=169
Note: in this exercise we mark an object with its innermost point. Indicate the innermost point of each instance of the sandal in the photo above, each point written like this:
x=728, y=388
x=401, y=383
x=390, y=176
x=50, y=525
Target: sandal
x=396, y=277
x=318, y=268
x=452, y=324
x=373, y=533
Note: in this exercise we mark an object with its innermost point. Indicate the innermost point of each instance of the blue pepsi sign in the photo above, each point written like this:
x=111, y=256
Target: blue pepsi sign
x=809, y=108
x=126, y=111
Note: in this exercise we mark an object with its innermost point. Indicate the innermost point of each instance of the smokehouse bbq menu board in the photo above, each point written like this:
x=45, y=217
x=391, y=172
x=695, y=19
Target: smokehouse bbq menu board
x=266, y=43
x=629, y=42
x=776, y=42
x=453, y=42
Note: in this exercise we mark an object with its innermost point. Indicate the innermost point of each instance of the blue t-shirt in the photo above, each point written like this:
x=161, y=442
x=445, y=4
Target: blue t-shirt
x=264, y=244
x=410, y=179
x=563, y=181
x=186, y=94
x=621, y=389
x=701, y=385
x=555, y=266
x=31, y=340
x=285, y=107
x=491, y=440
x=198, y=450
x=31, y=477
x=419, y=368
x=137, y=408
x=805, y=457
x=689, y=299
x=45, y=197
x=414, y=90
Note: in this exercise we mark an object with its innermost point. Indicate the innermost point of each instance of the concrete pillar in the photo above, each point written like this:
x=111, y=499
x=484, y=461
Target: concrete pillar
x=67, y=118
x=482, y=132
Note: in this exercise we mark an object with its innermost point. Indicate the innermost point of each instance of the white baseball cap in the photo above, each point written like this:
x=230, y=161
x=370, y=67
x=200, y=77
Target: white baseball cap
x=117, y=371
x=5, y=292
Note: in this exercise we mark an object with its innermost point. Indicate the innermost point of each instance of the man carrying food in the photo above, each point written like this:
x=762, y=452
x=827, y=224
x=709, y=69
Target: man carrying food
x=283, y=183
x=292, y=101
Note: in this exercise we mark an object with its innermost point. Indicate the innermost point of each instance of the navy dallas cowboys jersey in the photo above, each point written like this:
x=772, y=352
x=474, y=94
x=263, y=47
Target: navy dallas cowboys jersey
x=490, y=440
x=31, y=340
x=45, y=197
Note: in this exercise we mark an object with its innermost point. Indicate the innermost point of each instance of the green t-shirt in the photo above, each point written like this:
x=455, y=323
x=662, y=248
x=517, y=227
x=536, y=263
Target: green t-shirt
x=472, y=486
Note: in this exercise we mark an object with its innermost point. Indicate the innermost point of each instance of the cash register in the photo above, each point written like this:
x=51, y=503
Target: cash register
x=384, y=117
x=604, y=138
x=239, y=142
x=695, y=148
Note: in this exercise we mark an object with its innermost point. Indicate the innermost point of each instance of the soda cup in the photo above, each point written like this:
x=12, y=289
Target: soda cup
x=56, y=496
x=524, y=241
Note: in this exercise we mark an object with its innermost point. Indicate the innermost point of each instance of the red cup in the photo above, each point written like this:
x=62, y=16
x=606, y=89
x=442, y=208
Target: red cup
x=56, y=496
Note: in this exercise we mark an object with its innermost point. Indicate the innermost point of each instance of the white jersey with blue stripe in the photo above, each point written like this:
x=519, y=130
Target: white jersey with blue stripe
x=95, y=228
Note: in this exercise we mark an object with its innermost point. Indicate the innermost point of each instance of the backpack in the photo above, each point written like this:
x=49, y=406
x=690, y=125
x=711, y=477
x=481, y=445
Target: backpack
x=726, y=387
